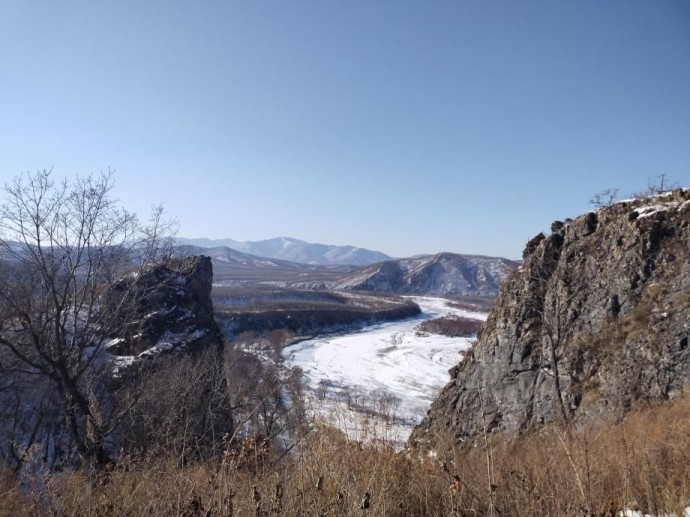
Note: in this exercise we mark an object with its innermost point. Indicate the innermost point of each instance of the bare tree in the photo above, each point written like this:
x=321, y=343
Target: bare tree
x=62, y=245
x=182, y=407
x=660, y=184
x=266, y=397
x=605, y=198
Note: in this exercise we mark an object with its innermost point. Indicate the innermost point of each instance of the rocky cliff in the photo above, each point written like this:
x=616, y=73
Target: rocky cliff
x=171, y=309
x=595, y=321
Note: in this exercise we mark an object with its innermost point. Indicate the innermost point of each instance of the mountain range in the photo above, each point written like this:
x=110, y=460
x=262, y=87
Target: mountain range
x=295, y=250
x=443, y=274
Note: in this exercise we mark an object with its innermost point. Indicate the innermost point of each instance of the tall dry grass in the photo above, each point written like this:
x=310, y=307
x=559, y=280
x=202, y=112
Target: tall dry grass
x=642, y=463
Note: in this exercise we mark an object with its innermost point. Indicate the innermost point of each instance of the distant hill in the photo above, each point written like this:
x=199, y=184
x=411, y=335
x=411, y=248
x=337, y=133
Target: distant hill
x=443, y=274
x=234, y=268
x=295, y=250
x=440, y=275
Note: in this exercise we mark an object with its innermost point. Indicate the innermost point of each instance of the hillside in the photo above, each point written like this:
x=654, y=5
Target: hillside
x=295, y=250
x=234, y=268
x=594, y=322
x=442, y=274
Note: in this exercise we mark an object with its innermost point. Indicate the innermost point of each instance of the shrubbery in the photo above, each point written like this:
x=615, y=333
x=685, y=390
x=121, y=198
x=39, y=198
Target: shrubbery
x=638, y=464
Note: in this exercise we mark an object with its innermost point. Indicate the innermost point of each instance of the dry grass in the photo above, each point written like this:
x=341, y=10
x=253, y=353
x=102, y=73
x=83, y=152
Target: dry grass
x=641, y=463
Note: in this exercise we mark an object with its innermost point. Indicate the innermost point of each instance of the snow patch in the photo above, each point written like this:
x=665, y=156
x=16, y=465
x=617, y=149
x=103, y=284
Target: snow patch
x=113, y=342
x=649, y=210
x=636, y=513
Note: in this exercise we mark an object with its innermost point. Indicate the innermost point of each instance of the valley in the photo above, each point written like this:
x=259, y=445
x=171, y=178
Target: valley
x=441, y=274
x=345, y=259
x=378, y=382
x=253, y=385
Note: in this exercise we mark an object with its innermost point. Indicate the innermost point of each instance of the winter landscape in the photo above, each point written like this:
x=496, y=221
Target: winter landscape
x=333, y=259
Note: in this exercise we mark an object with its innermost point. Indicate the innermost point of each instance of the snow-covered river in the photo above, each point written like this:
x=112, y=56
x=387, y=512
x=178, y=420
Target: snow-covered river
x=378, y=382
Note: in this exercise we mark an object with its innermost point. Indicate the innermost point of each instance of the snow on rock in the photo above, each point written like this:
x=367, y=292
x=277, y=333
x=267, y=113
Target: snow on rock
x=173, y=312
x=647, y=211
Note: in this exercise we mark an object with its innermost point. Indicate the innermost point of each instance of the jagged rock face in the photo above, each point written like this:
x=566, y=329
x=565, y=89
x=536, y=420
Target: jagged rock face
x=595, y=320
x=173, y=309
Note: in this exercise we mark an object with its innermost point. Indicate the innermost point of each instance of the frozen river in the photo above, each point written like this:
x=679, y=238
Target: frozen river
x=378, y=382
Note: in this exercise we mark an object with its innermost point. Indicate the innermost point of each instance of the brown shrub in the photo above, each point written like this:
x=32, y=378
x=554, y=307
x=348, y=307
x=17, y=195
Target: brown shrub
x=641, y=463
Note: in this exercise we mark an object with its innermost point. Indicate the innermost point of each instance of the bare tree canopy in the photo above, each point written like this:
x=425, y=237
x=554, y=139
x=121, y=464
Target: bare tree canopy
x=62, y=245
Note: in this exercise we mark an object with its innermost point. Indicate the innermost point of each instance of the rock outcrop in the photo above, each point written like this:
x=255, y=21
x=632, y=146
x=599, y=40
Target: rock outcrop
x=171, y=309
x=595, y=321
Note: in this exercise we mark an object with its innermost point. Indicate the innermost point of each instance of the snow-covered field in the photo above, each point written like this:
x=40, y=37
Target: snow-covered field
x=378, y=382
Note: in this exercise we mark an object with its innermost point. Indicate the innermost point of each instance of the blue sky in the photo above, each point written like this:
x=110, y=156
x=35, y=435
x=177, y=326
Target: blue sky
x=403, y=126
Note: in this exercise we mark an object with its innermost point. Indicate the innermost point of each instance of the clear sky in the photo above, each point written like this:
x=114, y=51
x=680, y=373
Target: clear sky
x=402, y=126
